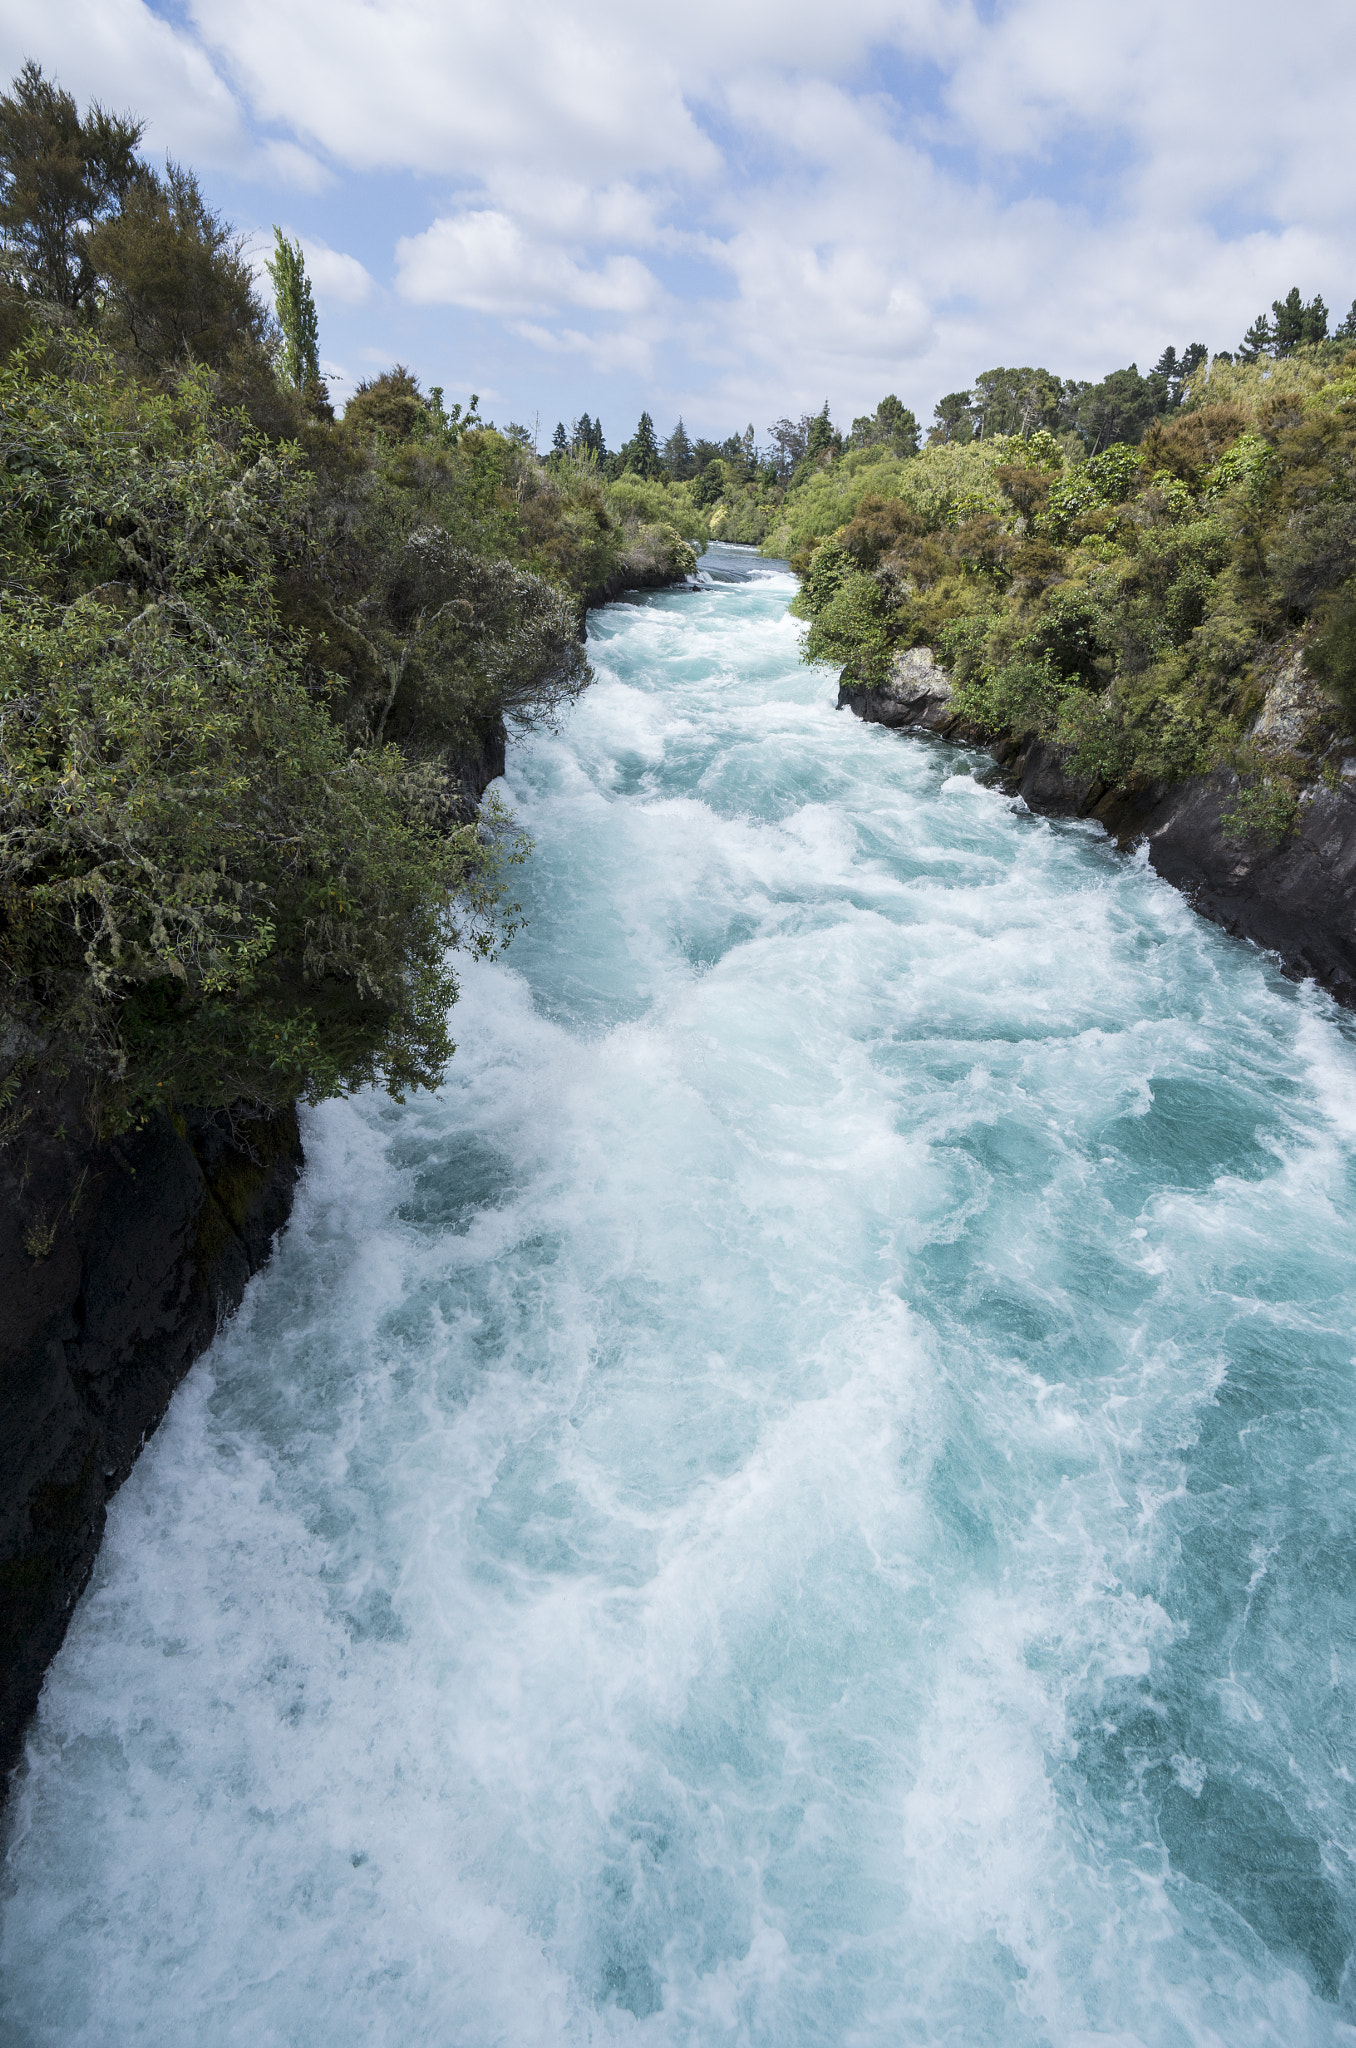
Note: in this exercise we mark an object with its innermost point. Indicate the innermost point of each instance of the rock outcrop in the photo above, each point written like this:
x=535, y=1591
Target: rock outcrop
x=118, y=1263
x=1294, y=894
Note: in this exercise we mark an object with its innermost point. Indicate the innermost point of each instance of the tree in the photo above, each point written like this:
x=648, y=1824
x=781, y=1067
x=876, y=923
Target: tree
x=952, y=418
x=392, y=405
x=1346, y=329
x=1259, y=340
x=296, y=313
x=789, y=439
x=209, y=896
x=59, y=177
x=1288, y=332
x=641, y=452
x=1172, y=373
x=891, y=425
x=896, y=425
x=587, y=439
x=1315, y=321
x=1016, y=401
x=176, y=283
x=820, y=437
x=1118, y=409
x=679, y=460
x=1296, y=326
x=560, y=446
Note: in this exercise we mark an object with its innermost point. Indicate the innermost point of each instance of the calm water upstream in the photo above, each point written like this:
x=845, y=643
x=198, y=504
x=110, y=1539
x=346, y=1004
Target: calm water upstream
x=806, y=1497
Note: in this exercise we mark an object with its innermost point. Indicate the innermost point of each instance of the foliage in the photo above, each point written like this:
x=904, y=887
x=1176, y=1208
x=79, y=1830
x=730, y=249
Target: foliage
x=641, y=453
x=176, y=284
x=1331, y=653
x=891, y=426
x=1296, y=326
x=1266, y=807
x=60, y=177
x=296, y=313
x=680, y=462
x=1120, y=605
x=207, y=895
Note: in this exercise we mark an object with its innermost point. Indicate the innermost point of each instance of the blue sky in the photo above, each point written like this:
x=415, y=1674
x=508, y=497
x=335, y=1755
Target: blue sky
x=736, y=211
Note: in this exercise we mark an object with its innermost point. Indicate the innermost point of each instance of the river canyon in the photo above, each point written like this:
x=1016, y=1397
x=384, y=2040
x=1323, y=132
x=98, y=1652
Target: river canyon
x=804, y=1497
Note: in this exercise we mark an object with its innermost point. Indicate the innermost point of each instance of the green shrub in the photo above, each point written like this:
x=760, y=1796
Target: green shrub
x=205, y=894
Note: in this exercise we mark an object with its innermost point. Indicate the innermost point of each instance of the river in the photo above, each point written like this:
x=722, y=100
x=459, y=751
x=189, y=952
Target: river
x=806, y=1496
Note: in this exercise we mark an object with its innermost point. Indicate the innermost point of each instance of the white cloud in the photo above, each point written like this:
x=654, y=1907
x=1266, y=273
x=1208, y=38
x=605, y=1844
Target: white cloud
x=338, y=279
x=778, y=199
x=119, y=52
x=484, y=260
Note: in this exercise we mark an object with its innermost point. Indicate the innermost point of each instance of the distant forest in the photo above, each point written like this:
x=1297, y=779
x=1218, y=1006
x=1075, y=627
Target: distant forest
x=1086, y=417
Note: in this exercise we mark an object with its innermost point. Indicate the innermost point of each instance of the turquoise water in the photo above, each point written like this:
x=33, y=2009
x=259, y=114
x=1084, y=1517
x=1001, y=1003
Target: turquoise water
x=805, y=1497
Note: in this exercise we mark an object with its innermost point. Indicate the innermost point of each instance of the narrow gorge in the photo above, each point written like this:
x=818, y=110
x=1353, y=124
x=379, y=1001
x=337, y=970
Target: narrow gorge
x=802, y=1496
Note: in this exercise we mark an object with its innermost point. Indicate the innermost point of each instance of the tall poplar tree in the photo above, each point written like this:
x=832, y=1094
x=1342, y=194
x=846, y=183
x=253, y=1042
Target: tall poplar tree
x=296, y=313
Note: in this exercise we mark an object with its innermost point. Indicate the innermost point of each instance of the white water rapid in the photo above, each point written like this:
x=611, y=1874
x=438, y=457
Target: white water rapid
x=805, y=1497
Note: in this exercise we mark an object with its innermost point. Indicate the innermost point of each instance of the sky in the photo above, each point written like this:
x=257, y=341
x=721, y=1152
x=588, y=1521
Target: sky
x=734, y=211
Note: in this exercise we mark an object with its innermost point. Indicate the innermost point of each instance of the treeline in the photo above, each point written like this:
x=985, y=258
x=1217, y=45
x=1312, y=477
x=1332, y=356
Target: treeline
x=1130, y=604
x=1085, y=415
x=254, y=661
x=681, y=460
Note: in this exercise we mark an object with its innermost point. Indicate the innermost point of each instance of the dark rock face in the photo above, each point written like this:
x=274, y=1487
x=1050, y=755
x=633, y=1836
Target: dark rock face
x=630, y=575
x=1295, y=896
x=117, y=1264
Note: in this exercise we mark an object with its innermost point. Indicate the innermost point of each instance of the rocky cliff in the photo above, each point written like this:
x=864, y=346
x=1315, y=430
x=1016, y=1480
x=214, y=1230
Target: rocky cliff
x=1293, y=893
x=117, y=1264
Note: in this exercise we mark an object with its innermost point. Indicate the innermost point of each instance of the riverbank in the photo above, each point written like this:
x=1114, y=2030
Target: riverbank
x=120, y=1263
x=1293, y=893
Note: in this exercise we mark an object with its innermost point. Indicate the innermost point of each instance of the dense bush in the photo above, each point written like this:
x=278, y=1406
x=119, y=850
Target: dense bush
x=1118, y=604
x=208, y=894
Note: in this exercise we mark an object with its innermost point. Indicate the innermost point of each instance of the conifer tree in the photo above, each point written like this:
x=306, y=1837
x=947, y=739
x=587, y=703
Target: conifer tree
x=679, y=459
x=296, y=314
x=1315, y=320
x=641, y=452
x=1289, y=329
x=953, y=419
x=1260, y=340
x=820, y=438
x=559, y=440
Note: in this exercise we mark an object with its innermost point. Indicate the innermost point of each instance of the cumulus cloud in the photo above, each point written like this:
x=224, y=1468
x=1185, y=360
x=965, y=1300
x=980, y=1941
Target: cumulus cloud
x=338, y=279
x=777, y=198
x=485, y=260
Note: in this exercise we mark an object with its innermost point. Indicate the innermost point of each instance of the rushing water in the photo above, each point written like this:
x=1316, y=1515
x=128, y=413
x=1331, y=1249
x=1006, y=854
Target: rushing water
x=805, y=1497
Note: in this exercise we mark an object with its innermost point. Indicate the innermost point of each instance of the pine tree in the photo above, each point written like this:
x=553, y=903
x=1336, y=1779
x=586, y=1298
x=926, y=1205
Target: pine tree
x=678, y=457
x=952, y=418
x=641, y=452
x=296, y=314
x=1260, y=340
x=1289, y=329
x=1346, y=329
x=1315, y=320
x=559, y=442
x=821, y=438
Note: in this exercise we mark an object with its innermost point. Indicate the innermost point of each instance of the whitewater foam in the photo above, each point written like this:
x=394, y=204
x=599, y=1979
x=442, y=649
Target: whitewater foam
x=804, y=1497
